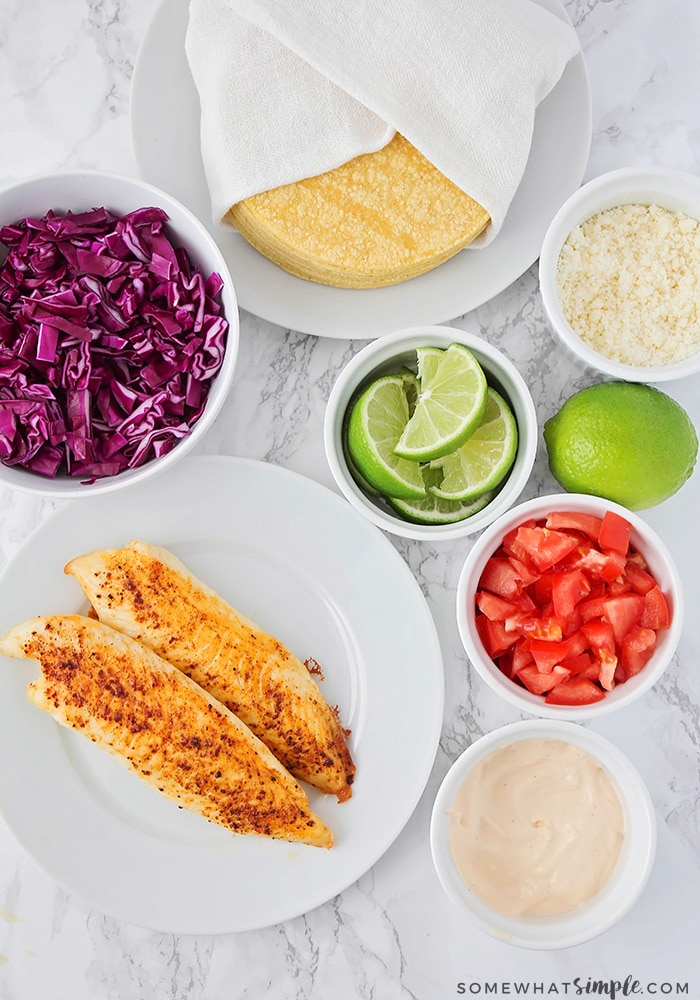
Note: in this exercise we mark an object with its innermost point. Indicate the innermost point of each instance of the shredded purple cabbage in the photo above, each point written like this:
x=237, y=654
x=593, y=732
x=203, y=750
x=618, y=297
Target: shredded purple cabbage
x=110, y=338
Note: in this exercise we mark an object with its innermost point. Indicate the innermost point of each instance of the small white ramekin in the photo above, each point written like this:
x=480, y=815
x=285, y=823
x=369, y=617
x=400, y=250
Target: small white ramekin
x=627, y=880
x=390, y=353
x=650, y=185
x=661, y=565
x=83, y=190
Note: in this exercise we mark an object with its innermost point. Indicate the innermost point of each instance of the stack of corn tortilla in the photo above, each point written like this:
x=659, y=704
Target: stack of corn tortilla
x=378, y=219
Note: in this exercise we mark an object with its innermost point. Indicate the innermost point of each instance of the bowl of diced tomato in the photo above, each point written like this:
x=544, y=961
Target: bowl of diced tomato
x=569, y=606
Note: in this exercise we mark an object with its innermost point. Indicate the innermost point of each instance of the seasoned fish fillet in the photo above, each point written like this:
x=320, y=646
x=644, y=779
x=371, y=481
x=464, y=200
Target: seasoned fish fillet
x=168, y=730
x=150, y=595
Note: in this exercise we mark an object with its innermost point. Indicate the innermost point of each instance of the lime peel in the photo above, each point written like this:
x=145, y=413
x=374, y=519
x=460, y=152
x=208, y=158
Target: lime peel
x=435, y=510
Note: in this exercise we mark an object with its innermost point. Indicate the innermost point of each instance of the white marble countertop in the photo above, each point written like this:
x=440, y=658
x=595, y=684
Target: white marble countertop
x=65, y=71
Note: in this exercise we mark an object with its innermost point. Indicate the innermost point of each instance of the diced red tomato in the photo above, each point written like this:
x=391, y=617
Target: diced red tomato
x=547, y=628
x=573, y=623
x=614, y=566
x=510, y=537
x=582, y=665
x=563, y=520
x=543, y=589
x=637, y=649
x=615, y=532
x=600, y=634
x=576, y=643
x=568, y=609
x=527, y=571
x=548, y=654
x=575, y=691
x=567, y=590
x=623, y=612
x=606, y=566
x=592, y=608
x=539, y=682
x=496, y=608
x=544, y=546
x=620, y=585
x=638, y=578
x=504, y=663
x=656, y=614
x=494, y=636
x=504, y=577
x=522, y=656
x=608, y=667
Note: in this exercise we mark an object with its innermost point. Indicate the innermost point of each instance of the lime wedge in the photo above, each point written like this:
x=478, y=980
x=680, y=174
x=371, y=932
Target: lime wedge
x=412, y=387
x=428, y=359
x=449, y=408
x=484, y=460
x=377, y=420
x=435, y=510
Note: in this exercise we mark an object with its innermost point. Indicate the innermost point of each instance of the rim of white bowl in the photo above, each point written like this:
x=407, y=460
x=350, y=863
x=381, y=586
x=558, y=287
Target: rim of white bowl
x=379, y=353
x=67, y=488
x=669, y=187
x=626, y=883
x=643, y=537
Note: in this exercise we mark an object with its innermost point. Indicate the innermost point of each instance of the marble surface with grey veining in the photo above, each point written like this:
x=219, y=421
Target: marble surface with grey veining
x=65, y=72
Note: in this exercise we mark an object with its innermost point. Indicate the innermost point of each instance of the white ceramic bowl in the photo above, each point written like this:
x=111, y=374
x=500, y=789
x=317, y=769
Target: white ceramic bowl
x=84, y=190
x=627, y=880
x=661, y=565
x=388, y=354
x=671, y=189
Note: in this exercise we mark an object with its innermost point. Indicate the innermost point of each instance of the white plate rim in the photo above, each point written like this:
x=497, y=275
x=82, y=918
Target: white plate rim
x=125, y=871
x=164, y=108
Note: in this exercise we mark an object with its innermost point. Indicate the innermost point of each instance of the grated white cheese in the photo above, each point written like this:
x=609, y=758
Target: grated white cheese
x=629, y=284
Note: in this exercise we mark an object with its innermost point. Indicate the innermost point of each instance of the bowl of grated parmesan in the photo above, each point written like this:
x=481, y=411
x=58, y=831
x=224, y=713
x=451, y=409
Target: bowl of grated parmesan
x=619, y=273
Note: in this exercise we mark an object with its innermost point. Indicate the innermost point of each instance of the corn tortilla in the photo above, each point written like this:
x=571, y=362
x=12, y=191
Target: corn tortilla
x=379, y=219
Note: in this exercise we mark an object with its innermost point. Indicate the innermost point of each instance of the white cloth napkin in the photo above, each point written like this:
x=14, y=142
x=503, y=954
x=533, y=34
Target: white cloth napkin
x=292, y=88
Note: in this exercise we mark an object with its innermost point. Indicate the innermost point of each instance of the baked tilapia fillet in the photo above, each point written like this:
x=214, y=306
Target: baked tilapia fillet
x=166, y=729
x=149, y=594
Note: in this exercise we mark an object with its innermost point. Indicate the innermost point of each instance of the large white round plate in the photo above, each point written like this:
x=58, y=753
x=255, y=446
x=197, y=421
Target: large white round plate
x=165, y=130
x=301, y=562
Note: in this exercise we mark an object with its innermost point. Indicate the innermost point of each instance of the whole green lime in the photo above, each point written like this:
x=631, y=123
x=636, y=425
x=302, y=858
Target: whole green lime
x=623, y=441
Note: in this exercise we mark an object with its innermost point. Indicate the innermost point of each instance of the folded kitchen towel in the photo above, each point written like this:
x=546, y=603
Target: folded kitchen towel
x=292, y=89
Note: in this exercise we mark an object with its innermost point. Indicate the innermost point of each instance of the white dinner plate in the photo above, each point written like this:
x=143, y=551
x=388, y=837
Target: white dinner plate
x=165, y=130
x=301, y=562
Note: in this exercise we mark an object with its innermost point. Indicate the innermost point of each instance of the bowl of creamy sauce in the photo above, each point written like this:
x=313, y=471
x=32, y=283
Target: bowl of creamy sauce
x=543, y=833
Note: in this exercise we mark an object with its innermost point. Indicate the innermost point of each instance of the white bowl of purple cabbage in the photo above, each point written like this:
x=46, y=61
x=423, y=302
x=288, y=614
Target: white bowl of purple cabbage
x=118, y=332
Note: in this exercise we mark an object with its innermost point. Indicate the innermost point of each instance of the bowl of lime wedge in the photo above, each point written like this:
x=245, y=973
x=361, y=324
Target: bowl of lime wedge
x=430, y=432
